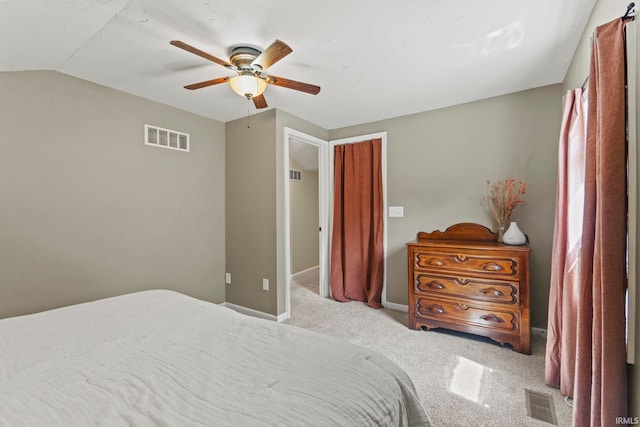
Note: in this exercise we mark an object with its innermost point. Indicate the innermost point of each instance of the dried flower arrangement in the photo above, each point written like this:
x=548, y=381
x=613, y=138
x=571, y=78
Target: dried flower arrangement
x=503, y=199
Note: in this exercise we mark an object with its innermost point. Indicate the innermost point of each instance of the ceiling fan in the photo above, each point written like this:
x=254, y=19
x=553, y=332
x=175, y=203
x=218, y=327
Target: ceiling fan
x=250, y=63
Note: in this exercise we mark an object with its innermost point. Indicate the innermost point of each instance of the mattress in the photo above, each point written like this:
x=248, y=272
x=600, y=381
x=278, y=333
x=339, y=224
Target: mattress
x=160, y=358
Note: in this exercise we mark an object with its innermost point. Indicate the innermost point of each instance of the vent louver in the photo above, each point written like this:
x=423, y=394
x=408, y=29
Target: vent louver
x=166, y=138
x=295, y=175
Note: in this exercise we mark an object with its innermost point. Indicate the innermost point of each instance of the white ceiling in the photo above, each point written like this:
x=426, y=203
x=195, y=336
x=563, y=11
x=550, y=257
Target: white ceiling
x=374, y=59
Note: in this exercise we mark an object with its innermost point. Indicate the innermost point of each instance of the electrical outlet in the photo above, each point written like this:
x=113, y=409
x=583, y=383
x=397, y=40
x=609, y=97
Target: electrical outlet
x=265, y=284
x=227, y=278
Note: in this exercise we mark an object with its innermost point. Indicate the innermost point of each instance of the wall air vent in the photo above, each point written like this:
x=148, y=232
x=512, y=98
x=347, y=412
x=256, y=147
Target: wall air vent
x=295, y=175
x=165, y=138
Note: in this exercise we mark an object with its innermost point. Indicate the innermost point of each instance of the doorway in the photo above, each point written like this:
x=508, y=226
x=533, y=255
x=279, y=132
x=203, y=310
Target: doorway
x=354, y=140
x=306, y=208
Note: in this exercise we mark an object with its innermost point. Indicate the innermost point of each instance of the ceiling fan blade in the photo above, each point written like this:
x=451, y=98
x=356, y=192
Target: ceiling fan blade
x=292, y=84
x=274, y=53
x=259, y=101
x=207, y=83
x=205, y=55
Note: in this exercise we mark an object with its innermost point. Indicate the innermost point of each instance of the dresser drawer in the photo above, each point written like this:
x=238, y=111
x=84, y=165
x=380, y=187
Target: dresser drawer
x=465, y=263
x=494, y=291
x=460, y=313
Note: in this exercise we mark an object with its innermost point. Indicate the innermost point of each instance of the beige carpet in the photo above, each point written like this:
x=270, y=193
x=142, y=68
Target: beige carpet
x=462, y=380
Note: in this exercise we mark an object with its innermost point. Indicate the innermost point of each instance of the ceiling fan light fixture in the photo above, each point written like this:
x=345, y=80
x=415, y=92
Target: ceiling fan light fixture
x=249, y=63
x=247, y=85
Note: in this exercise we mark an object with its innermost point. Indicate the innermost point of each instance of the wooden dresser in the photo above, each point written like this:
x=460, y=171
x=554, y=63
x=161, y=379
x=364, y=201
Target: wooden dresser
x=463, y=279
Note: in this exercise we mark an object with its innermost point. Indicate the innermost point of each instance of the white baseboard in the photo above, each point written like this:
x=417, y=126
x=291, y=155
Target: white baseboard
x=397, y=307
x=256, y=313
x=305, y=271
x=282, y=317
x=539, y=332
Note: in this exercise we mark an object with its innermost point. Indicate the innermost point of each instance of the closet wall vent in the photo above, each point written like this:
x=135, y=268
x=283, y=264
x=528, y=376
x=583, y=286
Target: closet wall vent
x=295, y=175
x=166, y=138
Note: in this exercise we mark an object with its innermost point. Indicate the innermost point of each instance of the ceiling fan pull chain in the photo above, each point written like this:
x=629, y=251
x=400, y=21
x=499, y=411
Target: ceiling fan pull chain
x=248, y=107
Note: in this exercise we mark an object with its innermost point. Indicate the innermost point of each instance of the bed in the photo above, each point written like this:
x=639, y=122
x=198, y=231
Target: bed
x=162, y=358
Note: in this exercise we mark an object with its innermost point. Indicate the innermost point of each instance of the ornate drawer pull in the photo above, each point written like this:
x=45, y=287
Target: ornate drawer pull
x=491, y=266
x=434, y=308
x=434, y=284
x=493, y=291
x=491, y=318
x=463, y=307
x=435, y=261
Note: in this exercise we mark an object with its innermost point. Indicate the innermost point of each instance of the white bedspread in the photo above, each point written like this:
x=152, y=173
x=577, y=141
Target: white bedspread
x=160, y=358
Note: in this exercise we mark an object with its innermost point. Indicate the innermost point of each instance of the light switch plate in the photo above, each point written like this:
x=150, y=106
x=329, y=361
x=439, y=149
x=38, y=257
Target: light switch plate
x=227, y=278
x=396, y=211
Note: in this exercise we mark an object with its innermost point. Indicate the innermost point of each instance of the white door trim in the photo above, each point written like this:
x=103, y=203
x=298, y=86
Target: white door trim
x=353, y=140
x=323, y=195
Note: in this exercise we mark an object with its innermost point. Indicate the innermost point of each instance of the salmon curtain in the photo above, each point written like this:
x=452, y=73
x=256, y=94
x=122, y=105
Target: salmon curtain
x=357, y=253
x=567, y=240
x=600, y=390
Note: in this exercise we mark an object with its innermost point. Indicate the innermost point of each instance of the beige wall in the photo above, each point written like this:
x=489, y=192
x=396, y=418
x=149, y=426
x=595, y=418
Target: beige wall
x=251, y=211
x=603, y=12
x=88, y=211
x=438, y=163
x=304, y=220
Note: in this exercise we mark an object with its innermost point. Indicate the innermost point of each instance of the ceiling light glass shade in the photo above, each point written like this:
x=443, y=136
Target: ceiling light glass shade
x=247, y=85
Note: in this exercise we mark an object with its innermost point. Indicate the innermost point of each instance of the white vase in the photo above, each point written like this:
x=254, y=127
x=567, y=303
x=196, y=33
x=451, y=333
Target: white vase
x=513, y=235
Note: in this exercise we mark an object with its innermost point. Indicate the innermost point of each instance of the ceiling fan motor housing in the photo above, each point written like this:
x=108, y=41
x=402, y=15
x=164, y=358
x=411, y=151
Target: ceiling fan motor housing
x=243, y=56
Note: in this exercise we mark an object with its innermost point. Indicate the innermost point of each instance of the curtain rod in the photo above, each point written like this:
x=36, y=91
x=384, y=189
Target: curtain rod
x=631, y=14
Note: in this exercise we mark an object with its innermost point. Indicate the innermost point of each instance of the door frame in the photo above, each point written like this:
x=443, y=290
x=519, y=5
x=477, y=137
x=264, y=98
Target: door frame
x=354, y=140
x=323, y=214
